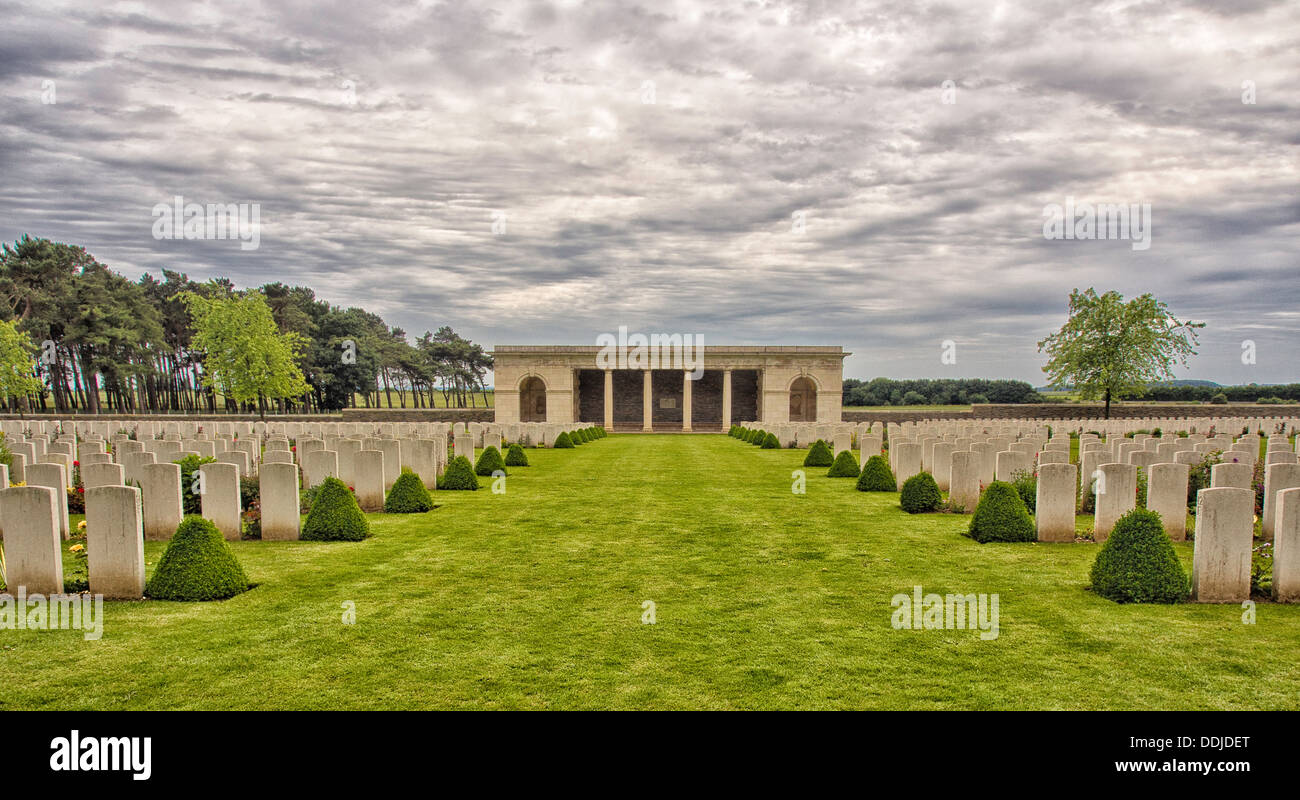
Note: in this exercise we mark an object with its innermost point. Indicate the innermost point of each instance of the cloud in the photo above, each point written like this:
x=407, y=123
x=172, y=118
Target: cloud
x=652, y=164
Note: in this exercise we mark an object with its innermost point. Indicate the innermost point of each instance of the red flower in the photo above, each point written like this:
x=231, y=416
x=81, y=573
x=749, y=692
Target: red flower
x=76, y=463
x=81, y=490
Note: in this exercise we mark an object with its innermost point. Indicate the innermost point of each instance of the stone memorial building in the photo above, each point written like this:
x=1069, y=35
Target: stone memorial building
x=707, y=389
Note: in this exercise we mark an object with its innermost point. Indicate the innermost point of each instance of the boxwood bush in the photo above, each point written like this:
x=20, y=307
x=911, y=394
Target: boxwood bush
x=335, y=515
x=515, y=456
x=562, y=442
x=770, y=442
x=459, y=476
x=1001, y=516
x=819, y=455
x=1137, y=563
x=845, y=466
x=877, y=476
x=920, y=494
x=197, y=565
x=489, y=461
x=408, y=495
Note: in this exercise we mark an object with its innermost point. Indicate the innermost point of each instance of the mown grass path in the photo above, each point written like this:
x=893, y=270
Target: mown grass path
x=763, y=599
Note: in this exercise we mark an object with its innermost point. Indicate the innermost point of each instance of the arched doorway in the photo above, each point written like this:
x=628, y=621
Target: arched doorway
x=803, y=400
x=532, y=400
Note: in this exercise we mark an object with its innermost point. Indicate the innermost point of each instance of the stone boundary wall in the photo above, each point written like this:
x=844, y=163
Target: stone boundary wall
x=849, y=414
x=1069, y=411
x=348, y=415
x=419, y=415
x=862, y=414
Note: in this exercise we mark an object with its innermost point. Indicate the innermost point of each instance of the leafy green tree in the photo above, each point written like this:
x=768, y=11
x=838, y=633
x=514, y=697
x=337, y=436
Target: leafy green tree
x=36, y=280
x=246, y=356
x=175, y=382
x=17, y=367
x=1111, y=349
x=110, y=343
x=110, y=330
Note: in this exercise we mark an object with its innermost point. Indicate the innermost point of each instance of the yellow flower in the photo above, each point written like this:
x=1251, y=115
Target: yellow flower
x=76, y=548
x=81, y=526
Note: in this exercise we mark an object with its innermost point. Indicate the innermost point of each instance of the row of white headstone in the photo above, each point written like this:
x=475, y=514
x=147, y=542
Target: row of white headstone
x=119, y=517
x=534, y=434
x=963, y=461
x=1235, y=425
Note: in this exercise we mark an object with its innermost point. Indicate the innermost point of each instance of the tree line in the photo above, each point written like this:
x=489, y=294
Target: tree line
x=100, y=342
x=938, y=391
x=1249, y=393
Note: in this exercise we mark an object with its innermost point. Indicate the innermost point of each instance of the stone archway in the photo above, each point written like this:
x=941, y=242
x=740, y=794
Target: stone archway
x=532, y=399
x=803, y=400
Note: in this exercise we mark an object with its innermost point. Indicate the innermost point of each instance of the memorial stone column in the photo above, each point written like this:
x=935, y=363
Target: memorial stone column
x=609, y=400
x=686, y=400
x=726, y=400
x=647, y=418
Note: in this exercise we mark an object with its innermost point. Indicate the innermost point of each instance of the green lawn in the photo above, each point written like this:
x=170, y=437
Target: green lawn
x=764, y=599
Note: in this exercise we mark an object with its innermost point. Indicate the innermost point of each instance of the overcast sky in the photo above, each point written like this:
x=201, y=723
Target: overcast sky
x=756, y=173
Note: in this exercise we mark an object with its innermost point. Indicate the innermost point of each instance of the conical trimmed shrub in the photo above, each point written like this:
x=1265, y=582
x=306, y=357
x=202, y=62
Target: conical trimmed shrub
x=563, y=441
x=1137, y=563
x=845, y=466
x=197, y=565
x=515, y=456
x=489, y=461
x=920, y=494
x=409, y=495
x=459, y=476
x=759, y=438
x=770, y=442
x=819, y=455
x=877, y=476
x=335, y=515
x=1001, y=516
